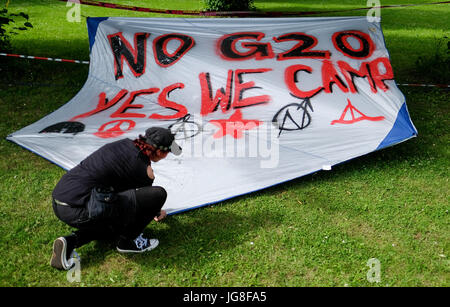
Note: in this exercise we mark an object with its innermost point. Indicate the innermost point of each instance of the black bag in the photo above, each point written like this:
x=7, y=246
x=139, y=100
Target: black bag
x=101, y=204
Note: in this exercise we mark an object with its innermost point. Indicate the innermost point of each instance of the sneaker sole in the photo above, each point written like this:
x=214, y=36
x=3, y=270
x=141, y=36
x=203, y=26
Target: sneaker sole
x=138, y=252
x=59, y=251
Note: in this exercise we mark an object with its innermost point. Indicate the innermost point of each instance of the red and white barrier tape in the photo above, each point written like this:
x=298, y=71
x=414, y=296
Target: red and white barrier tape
x=236, y=13
x=43, y=58
x=424, y=85
x=87, y=62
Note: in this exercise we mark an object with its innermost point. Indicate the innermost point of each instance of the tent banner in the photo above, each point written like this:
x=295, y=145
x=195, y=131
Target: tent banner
x=253, y=102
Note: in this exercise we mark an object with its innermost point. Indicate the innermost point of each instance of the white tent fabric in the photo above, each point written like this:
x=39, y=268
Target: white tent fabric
x=253, y=102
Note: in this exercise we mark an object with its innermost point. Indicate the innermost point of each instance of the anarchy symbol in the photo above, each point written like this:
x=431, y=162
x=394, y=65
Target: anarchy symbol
x=294, y=116
x=184, y=128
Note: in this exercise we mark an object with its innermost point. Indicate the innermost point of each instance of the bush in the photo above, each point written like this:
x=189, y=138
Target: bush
x=436, y=66
x=9, y=26
x=229, y=5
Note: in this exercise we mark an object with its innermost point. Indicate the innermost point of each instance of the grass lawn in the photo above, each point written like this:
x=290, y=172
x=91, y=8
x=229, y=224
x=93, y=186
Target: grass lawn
x=318, y=230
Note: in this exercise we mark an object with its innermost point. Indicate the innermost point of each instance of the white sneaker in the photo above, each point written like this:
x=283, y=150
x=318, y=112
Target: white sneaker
x=60, y=259
x=138, y=245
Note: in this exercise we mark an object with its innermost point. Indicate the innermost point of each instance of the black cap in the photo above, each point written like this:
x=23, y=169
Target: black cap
x=163, y=139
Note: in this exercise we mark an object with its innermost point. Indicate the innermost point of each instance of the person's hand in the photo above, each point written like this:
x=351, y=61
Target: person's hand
x=150, y=173
x=161, y=216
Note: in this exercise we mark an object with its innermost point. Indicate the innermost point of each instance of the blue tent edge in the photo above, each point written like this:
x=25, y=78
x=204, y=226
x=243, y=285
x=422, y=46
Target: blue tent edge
x=92, y=25
x=8, y=138
x=402, y=129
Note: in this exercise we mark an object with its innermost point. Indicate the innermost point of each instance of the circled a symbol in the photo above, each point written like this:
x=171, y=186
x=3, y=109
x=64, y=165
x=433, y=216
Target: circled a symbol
x=298, y=120
x=115, y=128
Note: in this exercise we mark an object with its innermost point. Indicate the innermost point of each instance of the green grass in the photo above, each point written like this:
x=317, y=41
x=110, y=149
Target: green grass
x=318, y=230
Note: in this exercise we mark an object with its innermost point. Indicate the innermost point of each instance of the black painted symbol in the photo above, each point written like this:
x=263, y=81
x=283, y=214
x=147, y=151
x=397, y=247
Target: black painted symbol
x=294, y=116
x=184, y=128
x=64, y=127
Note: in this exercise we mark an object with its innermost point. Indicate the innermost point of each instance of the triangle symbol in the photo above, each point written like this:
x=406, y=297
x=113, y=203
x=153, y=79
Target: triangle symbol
x=348, y=116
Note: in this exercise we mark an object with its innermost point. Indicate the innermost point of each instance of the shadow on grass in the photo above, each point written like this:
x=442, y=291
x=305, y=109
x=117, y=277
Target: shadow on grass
x=191, y=239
